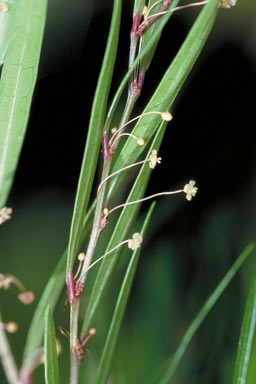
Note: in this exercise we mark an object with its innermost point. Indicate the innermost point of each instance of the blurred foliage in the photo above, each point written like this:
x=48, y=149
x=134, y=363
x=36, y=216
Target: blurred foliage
x=189, y=246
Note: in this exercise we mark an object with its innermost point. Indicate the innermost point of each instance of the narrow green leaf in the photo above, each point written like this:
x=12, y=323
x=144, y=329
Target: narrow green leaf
x=50, y=352
x=51, y=295
x=144, y=51
x=246, y=337
x=169, y=367
x=147, y=36
x=138, y=6
x=94, y=135
x=6, y=20
x=49, y=298
x=108, y=351
x=17, y=85
x=171, y=82
x=121, y=232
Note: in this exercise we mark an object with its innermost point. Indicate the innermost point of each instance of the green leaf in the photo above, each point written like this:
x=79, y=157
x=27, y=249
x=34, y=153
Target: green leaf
x=17, y=85
x=92, y=146
x=138, y=6
x=171, y=82
x=108, y=351
x=148, y=46
x=50, y=351
x=50, y=296
x=121, y=232
x=6, y=20
x=246, y=337
x=147, y=36
x=169, y=367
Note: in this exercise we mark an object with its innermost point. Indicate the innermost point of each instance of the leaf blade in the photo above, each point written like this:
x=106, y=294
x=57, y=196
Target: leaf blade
x=108, y=351
x=170, y=365
x=17, y=86
x=50, y=352
x=171, y=82
x=120, y=233
x=50, y=296
x=246, y=337
x=92, y=146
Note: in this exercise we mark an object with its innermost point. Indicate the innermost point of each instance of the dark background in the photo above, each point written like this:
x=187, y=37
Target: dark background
x=190, y=246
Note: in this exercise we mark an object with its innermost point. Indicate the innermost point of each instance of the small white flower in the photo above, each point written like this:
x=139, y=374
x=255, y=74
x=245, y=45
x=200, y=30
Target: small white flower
x=135, y=242
x=190, y=190
x=5, y=214
x=153, y=159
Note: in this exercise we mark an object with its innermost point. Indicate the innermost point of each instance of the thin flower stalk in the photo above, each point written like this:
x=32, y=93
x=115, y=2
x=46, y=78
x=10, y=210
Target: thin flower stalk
x=133, y=243
x=199, y=3
x=190, y=190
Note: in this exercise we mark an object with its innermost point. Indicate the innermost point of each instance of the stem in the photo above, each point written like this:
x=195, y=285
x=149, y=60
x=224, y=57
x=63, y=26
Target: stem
x=74, y=310
x=131, y=99
x=74, y=362
x=8, y=362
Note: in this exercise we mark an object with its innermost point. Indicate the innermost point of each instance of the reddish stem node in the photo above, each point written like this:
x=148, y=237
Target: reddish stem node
x=135, y=25
x=73, y=291
x=107, y=150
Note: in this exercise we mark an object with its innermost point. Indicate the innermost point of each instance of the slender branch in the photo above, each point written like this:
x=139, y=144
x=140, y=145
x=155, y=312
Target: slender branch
x=121, y=170
x=102, y=257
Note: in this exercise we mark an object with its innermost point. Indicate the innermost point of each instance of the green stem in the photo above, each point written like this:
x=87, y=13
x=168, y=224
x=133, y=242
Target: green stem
x=74, y=310
x=8, y=362
x=74, y=362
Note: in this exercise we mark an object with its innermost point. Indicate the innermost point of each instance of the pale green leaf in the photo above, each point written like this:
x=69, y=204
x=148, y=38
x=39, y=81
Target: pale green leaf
x=108, y=351
x=246, y=337
x=17, y=85
x=169, y=367
x=93, y=141
x=50, y=351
